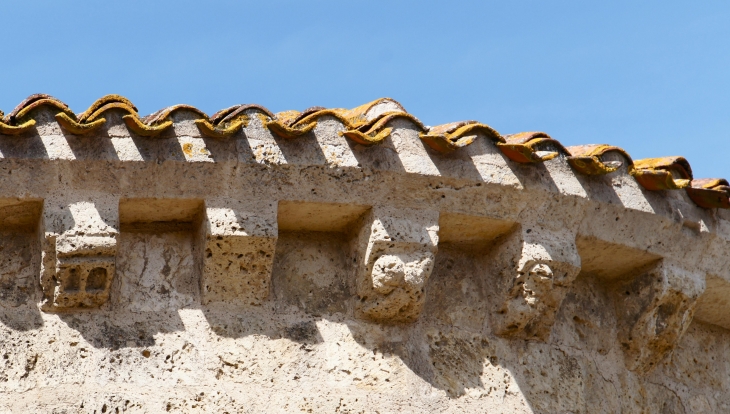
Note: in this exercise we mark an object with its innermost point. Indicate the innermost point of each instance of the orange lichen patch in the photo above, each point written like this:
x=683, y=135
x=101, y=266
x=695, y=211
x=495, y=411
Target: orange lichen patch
x=587, y=159
x=104, y=104
x=78, y=128
x=710, y=192
x=6, y=129
x=666, y=173
x=524, y=147
x=187, y=149
x=449, y=137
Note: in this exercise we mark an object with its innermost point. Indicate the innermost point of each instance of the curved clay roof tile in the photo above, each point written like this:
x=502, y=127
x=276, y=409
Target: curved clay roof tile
x=368, y=124
x=531, y=147
x=10, y=118
x=588, y=159
x=452, y=136
x=665, y=173
x=106, y=103
x=710, y=192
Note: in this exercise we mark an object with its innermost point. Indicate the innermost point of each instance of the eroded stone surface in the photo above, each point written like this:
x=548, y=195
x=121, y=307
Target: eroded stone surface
x=157, y=272
x=313, y=272
x=18, y=268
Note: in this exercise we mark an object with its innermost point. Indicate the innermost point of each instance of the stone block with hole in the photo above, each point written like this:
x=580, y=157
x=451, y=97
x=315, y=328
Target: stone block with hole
x=78, y=253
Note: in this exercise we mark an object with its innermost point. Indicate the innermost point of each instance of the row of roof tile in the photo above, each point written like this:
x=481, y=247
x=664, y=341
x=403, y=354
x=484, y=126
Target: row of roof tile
x=666, y=173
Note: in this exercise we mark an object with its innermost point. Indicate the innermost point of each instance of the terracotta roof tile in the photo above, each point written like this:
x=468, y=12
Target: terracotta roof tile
x=531, y=147
x=588, y=159
x=665, y=173
x=710, y=192
x=369, y=124
x=449, y=137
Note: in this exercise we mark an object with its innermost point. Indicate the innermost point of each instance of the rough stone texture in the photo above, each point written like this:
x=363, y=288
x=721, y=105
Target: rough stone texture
x=266, y=274
x=20, y=266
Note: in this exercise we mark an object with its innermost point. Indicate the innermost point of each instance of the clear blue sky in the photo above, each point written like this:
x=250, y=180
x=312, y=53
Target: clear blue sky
x=651, y=77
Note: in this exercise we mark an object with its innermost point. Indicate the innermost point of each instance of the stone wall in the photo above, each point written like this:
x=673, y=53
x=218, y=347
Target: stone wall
x=257, y=272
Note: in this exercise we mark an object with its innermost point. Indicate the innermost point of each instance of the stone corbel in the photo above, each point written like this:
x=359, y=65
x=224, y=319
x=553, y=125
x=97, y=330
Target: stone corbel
x=654, y=310
x=395, y=251
x=79, y=246
x=238, y=241
x=533, y=269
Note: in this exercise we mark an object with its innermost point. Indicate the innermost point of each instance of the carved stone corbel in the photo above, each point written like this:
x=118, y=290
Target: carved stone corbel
x=654, y=310
x=395, y=251
x=533, y=270
x=78, y=259
x=238, y=242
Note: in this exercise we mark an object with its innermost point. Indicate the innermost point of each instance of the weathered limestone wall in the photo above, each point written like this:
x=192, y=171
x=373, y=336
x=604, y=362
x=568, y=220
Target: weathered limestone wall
x=257, y=273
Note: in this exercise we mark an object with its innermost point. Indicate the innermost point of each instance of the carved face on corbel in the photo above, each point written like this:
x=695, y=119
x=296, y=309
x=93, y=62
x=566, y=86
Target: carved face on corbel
x=535, y=282
x=395, y=287
x=530, y=304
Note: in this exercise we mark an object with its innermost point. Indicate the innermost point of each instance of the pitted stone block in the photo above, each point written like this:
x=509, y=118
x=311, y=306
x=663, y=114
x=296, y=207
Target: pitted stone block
x=654, y=310
x=238, y=243
x=83, y=275
x=78, y=261
x=395, y=252
x=534, y=270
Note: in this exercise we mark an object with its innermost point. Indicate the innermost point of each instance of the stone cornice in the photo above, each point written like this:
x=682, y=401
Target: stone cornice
x=538, y=213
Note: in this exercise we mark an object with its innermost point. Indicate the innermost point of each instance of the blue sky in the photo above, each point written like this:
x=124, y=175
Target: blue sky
x=651, y=77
